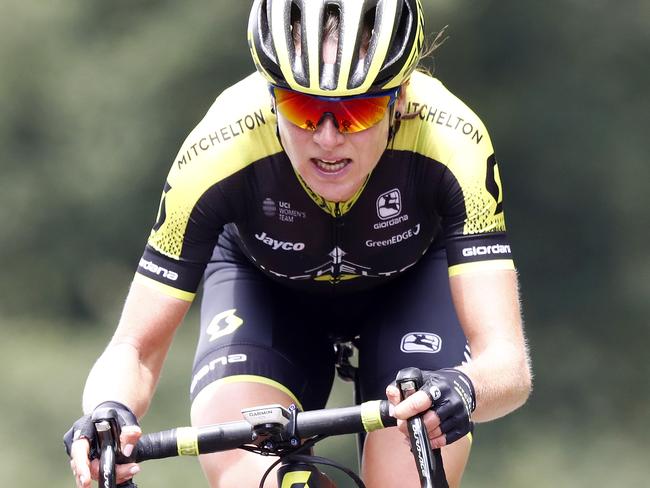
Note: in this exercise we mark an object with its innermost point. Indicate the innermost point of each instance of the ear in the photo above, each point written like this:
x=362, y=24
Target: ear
x=400, y=105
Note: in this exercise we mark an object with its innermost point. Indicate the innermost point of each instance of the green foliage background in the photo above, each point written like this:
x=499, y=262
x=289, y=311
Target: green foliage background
x=96, y=97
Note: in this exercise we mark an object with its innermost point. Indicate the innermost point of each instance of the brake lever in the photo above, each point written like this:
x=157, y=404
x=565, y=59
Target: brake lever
x=429, y=463
x=108, y=438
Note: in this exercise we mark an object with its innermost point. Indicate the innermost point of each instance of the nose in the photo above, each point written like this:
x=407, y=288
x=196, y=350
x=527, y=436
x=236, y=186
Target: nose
x=327, y=135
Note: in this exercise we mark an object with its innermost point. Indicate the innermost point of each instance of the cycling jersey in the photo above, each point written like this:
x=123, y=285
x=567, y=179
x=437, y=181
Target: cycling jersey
x=436, y=184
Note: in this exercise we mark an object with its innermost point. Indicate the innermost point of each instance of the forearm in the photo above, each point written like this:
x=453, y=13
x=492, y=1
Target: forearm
x=502, y=380
x=129, y=369
x=489, y=311
x=119, y=375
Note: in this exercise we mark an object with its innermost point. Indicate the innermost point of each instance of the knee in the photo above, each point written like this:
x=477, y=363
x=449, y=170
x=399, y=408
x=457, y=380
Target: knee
x=223, y=400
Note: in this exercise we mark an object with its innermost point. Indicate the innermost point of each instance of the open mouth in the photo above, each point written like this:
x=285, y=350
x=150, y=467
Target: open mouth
x=331, y=166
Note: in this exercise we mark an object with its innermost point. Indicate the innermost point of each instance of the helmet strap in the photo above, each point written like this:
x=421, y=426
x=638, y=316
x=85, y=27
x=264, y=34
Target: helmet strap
x=394, y=122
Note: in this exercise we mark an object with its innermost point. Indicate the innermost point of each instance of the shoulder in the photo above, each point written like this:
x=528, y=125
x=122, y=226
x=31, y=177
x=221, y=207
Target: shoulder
x=441, y=126
x=237, y=130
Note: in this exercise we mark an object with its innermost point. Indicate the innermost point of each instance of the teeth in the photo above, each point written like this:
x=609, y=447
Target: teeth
x=331, y=166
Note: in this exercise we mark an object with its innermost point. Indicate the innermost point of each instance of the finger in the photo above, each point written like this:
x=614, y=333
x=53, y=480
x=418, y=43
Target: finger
x=431, y=420
x=438, y=441
x=79, y=463
x=124, y=472
x=417, y=403
x=94, y=469
x=129, y=438
x=393, y=395
x=434, y=433
x=403, y=427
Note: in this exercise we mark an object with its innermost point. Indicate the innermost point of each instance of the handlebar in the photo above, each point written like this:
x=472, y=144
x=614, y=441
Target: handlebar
x=273, y=429
x=192, y=441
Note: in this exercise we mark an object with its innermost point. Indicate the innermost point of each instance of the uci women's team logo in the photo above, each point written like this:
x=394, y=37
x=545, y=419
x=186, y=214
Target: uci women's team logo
x=389, y=204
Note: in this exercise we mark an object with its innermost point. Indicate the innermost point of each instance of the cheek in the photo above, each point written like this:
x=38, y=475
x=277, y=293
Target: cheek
x=288, y=138
x=375, y=142
x=293, y=136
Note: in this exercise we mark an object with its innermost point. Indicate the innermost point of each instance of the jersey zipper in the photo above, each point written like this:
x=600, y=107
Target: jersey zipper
x=337, y=224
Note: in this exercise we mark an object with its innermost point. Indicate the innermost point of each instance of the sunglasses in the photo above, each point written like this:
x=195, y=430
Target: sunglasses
x=350, y=114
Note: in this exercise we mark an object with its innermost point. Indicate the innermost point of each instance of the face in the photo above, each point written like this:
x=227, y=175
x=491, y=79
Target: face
x=334, y=165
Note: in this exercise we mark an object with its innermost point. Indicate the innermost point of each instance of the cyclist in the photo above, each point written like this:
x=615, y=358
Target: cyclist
x=336, y=193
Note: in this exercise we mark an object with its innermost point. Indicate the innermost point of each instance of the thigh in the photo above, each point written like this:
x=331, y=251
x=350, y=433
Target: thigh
x=257, y=331
x=412, y=324
x=222, y=402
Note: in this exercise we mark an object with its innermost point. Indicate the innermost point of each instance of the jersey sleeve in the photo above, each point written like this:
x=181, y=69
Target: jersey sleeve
x=203, y=187
x=191, y=214
x=472, y=209
x=468, y=195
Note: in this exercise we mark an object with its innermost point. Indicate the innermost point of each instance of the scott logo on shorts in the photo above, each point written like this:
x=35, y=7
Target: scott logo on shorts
x=389, y=204
x=223, y=324
x=421, y=342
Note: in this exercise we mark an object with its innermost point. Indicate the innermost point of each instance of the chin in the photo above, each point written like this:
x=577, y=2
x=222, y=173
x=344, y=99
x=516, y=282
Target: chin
x=335, y=195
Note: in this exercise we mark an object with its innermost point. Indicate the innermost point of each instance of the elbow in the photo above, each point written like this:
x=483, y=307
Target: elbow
x=525, y=383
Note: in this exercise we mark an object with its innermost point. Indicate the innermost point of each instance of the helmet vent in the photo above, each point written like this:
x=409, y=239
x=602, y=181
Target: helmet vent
x=331, y=33
x=298, y=50
x=265, y=46
x=364, y=49
x=396, y=50
x=265, y=31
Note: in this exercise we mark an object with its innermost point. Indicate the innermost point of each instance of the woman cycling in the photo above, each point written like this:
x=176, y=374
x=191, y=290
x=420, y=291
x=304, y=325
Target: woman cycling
x=336, y=193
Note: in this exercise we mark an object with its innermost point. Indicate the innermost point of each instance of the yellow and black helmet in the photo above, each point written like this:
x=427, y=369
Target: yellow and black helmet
x=393, y=30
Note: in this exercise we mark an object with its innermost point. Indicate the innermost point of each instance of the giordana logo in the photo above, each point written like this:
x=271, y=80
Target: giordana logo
x=275, y=244
x=214, y=364
x=155, y=269
x=483, y=250
x=389, y=204
x=421, y=342
x=223, y=324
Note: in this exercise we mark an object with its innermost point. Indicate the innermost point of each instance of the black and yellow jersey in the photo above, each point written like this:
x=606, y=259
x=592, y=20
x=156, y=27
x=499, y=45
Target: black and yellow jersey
x=437, y=184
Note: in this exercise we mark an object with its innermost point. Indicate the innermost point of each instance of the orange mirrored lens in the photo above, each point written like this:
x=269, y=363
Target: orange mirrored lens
x=351, y=115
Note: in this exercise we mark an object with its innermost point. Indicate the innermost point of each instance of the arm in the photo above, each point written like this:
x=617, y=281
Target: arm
x=487, y=304
x=129, y=368
x=488, y=309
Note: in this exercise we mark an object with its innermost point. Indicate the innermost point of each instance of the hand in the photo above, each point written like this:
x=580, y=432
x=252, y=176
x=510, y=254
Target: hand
x=81, y=445
x=449, y=395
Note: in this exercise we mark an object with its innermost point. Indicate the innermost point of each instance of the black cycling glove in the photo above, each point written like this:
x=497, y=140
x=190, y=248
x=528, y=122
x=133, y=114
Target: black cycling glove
x=453, y=399
x=84, y=428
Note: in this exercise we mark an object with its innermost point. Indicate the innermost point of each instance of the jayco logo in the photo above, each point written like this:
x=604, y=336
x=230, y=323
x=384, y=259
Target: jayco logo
x=275, y=244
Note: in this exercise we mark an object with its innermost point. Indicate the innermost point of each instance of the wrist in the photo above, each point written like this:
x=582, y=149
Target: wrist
x=466, y=385
x=127, y=416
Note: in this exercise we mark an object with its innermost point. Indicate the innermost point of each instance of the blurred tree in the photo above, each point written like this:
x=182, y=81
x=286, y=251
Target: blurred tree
x=98, y=103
